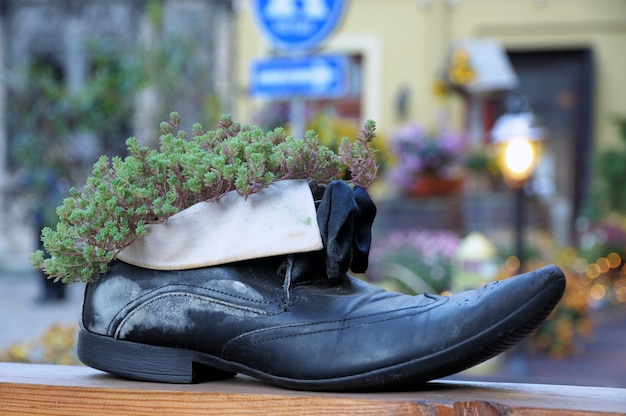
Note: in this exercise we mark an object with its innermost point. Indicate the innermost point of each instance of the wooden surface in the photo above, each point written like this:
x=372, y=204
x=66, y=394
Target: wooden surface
x=29, y=389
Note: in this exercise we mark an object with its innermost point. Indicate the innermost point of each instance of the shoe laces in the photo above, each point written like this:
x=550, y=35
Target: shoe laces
x=285, y=269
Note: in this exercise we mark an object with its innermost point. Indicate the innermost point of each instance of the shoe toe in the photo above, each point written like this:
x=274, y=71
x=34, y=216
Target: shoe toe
x=480, y=324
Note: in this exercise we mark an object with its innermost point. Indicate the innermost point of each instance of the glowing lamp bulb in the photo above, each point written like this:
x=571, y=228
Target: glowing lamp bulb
x=519, y=156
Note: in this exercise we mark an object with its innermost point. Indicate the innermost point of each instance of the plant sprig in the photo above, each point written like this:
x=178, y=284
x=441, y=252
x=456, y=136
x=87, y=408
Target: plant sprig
x=122, y=196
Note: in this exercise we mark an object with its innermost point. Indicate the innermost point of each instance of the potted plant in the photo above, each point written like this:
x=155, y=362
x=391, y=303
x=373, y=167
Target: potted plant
x=123, y=196
x=428, y=162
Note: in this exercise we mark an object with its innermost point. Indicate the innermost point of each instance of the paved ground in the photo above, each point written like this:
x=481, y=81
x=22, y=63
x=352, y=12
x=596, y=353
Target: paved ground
x=601, y=362
x=23, y=318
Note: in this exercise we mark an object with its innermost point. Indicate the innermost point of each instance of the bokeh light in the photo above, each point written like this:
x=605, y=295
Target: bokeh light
x=614, y=260
x=512, y=264
x=597, y=292
x=593, y=271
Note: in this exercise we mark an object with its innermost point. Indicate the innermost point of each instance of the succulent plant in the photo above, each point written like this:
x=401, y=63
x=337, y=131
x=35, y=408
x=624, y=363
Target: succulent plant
x=122, y=196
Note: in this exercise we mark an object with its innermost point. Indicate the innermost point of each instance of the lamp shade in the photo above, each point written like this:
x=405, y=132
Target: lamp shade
x=479, y=67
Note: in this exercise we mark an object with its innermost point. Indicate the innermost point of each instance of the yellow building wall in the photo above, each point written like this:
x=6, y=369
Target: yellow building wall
x=404, y=44
x=560, y=24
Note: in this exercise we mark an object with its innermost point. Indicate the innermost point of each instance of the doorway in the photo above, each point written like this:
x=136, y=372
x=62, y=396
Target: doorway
x=558, y=85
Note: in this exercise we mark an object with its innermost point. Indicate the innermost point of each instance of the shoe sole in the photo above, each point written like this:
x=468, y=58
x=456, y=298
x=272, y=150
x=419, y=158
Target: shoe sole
x=146, y=362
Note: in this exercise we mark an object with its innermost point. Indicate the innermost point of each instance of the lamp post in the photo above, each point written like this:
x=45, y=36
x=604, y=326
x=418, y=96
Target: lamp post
x=518, y=142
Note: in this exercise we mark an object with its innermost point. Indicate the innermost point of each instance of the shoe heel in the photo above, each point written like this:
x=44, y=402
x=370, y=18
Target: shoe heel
x=144, y=362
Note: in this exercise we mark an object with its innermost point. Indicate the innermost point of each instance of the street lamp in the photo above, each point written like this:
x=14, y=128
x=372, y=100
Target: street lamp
x=518, y=141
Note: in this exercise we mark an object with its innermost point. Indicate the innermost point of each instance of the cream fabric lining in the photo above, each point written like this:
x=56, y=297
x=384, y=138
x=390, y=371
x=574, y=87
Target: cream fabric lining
x=281, y=219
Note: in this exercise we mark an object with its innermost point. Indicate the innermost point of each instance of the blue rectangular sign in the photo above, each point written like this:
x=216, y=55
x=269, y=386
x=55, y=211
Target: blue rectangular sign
x=318, y=76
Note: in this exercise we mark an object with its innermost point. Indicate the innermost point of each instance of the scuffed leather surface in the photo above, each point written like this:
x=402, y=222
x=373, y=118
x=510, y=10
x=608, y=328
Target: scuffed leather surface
x=226, y=310
x=241, y=313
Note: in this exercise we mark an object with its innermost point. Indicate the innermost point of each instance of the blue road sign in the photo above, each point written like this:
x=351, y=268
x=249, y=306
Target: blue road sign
x=319, y=76
x=297, y=25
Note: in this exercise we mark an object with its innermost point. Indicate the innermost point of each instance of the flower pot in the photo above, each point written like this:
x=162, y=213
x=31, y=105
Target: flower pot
x=433, y=185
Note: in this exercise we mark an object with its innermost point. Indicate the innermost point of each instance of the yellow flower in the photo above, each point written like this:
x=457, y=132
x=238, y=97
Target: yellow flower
x=460, y=71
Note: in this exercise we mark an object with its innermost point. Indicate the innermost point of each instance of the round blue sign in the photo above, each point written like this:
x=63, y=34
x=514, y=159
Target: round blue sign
x=298, y=25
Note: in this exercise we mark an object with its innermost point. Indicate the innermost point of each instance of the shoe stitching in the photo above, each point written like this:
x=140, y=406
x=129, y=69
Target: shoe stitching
x=252, y=343
x=137, y=309
x=260, y=302
x=261, y=341
x=135, y=303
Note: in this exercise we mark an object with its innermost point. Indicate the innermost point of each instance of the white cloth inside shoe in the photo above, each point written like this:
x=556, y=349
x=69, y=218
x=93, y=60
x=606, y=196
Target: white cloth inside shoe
x=281, y=219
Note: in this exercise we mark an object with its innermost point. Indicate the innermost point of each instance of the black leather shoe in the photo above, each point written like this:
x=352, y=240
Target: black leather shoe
x=299, y=321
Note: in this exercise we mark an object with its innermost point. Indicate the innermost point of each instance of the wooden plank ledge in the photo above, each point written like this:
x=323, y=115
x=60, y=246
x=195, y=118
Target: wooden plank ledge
x=32, y=389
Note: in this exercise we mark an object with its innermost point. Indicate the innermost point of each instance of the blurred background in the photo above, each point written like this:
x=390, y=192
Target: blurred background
x=501, y=140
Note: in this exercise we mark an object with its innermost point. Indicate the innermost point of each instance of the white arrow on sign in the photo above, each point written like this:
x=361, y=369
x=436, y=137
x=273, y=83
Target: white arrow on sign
x=318, y=76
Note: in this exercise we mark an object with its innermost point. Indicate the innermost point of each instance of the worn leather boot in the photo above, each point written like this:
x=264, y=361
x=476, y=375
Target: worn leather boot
x=300, y=320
